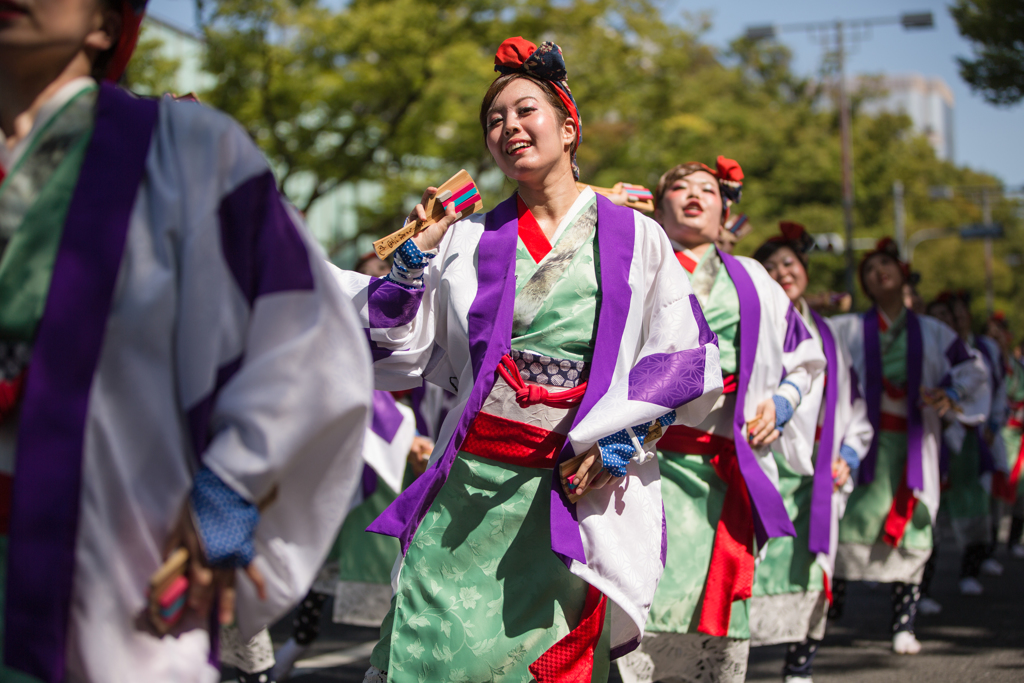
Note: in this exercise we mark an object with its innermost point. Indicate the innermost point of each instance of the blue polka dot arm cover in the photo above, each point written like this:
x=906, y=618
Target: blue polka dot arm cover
x=226, y=521
x=410, y=262
x=622, y=446
x=850, y=456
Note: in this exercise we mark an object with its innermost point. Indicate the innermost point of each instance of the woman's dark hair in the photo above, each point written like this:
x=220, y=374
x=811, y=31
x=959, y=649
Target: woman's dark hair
x=502, y=82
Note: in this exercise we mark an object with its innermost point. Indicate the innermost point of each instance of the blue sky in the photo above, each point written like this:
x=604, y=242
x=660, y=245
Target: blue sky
x=986, y=138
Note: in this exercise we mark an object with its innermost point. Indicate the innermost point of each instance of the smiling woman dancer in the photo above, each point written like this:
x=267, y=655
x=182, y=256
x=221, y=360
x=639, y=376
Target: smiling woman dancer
x=562, y=321
x=791, y=586
x=913, y=372
x=719, y=479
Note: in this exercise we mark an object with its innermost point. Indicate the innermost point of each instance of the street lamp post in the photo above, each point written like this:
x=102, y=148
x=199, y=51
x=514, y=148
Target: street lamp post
x=835, y=33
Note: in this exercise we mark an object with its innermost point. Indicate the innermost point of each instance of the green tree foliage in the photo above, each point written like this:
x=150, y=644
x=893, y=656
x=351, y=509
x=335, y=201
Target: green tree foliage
x=151, y=72
x=389, y=91
x=996, y=31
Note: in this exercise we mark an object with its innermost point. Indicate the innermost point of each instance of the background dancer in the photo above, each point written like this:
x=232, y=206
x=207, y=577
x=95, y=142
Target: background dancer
x=506, y=311
x=182, y=353
x=719, y=478
x=792, y=581
x=914, y=372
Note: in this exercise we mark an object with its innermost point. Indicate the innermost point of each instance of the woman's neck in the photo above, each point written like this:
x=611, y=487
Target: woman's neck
x=891, y=306
x=23, y=95
x=550, y=200
x=700, y=249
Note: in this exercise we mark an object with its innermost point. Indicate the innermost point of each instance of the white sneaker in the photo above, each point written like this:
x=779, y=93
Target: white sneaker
x=970, y=586
x=992, y=567
x=285, y=657
x=1017, y=551
x=905, y=643
x=928, y=607
x=797, y=679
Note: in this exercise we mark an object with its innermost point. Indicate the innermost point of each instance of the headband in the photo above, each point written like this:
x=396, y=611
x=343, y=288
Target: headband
x=520, y=56
x=132, y=12
x=792, y=235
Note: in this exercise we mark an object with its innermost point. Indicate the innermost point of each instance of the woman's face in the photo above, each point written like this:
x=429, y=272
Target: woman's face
x=691, y=210
x=36, y=32
x=528, y=138
x=941, y=312
x=786, y=269
x=883, y=277
x=962, y=316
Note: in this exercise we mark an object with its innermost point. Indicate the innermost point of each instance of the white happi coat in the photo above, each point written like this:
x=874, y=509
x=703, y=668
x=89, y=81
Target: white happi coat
x=852, y=426
x=621, y=526
x=214, y=352
x=970, y=378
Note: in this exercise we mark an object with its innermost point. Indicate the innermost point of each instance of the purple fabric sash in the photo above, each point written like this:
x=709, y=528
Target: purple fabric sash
x=821, y=493
x=873, y=397
x=770, y=517
x=387, y=418
x=616, y=229
x=51, y=432
x=490, y=337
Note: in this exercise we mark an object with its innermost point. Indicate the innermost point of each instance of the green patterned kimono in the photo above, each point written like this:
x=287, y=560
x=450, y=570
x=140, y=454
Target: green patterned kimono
x=692, y=491
x=480, y=595
x=1012, y=432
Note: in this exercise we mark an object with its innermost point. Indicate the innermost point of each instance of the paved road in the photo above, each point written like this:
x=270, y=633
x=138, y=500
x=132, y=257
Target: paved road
x=974, y=639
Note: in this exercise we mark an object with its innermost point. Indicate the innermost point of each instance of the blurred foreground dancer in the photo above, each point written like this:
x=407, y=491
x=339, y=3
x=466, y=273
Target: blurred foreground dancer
x=1013, y=490
x=719, y=478
x=792, y=583
x=914, y=373
x=175, y=352
x=502, y=575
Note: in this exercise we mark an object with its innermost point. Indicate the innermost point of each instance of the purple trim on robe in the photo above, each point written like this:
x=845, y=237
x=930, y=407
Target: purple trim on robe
x=490, y=337
x=796, y=331
x=854, y=385
x=387, y=418
x=821, y=492
x=664, y=536
x=377, y=352
x=390, y=304
x=915, y=424
x=369, y=481
x=770, y=517
x=705, y=334
x=872, y=392
x=51, y=433
x=668, y=379
x=616, y=234
x=624, y=649
x=261, y=244
x=198, y=415
x=957, y=352
x=416, y=397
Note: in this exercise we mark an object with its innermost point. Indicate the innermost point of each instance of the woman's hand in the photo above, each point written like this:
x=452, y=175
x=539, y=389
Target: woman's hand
x=761, y=430
x=840, y=473
x=419, y=454
x=590, y=474
x=938, y=400
x=431, y=237
x=204, y=582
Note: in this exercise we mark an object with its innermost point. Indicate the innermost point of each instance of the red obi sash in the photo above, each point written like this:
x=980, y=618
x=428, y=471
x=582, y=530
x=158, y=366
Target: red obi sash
x=904, y=502
x=731, y=572
x=517, y=443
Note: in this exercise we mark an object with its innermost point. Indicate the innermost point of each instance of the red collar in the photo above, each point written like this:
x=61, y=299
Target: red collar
x=686, y=262
x=533, y=237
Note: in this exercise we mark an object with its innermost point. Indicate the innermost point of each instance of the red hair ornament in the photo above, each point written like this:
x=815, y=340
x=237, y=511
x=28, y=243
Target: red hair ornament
x=132, y=12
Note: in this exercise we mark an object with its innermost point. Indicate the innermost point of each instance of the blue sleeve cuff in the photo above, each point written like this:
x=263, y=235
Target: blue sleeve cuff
x=953, y=394
x=783, y=412
x=850, y=456
x=617, y=450
x=410, y=262
x=226, y=521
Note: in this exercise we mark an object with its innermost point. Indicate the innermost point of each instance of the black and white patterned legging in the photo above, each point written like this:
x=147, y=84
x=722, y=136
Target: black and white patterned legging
x=905, y=597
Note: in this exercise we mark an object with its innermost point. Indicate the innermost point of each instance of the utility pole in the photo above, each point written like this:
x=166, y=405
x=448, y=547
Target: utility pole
x=899, y=217
x=835, y=33
x=846, y=157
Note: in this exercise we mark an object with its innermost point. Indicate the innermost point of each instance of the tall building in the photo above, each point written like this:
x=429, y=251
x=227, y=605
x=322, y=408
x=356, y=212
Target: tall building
x=927, y=101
